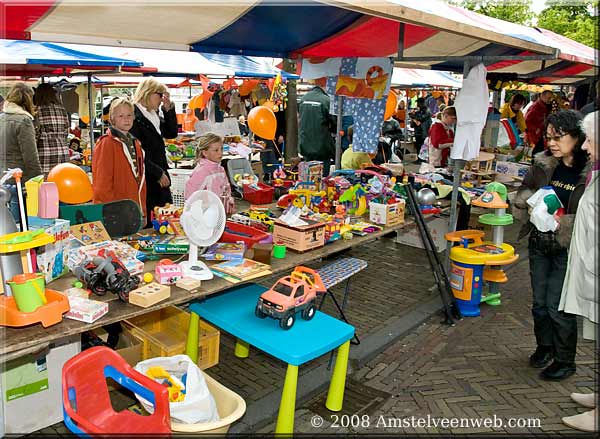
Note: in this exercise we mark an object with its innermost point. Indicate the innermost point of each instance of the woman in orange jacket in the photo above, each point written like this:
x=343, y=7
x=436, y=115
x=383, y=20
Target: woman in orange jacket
x=118, y=164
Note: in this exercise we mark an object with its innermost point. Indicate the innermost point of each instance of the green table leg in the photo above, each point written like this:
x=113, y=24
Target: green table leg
x=287, y=406
x=242, y=349
x=335, y=396
x=191, y=347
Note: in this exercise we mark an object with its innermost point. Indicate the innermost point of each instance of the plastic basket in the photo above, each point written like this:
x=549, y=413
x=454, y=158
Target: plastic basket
x=230, y=405
x=262, y=195
x=164, y=333
x=235, y=232
x=179, y=178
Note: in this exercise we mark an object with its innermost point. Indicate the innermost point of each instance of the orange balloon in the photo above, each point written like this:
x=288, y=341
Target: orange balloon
x=390, y=106
x=262, y=122
x=195, y=102
x=74, y=186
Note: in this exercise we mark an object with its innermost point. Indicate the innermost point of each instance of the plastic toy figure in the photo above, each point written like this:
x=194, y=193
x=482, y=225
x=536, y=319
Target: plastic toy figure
x=291, y=294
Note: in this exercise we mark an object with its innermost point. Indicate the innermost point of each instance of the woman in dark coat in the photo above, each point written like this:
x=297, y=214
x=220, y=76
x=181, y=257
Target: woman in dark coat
x=151, y=127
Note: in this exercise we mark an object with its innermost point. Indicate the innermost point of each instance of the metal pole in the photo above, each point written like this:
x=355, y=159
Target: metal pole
x=338, y=137
x=458, y=165
x=92, y=114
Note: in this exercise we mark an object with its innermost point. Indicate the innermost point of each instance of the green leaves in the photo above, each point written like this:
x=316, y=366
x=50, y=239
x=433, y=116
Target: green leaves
x=575, y=19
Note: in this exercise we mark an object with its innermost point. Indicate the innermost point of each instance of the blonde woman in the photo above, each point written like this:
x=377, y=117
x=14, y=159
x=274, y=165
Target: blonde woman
x=151, y=127
x=17, y=136
x=209, y=174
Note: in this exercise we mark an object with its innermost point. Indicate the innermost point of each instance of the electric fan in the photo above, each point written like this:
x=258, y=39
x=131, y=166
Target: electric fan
x=203, y=221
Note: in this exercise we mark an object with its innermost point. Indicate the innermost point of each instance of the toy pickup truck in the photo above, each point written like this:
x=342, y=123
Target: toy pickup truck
x=291, y=294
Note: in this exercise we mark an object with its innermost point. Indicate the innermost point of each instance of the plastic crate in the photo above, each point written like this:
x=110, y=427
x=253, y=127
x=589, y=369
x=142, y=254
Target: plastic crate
x=179, y=178
x=262, y=195
x=164, y=333
x=248, y=234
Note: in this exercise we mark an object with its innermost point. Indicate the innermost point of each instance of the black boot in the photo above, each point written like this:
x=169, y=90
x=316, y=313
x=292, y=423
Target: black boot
x=557, y=371
x=541, y=357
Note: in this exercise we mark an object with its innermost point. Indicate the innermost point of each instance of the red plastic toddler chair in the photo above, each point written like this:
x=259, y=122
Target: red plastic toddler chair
x=86, y=402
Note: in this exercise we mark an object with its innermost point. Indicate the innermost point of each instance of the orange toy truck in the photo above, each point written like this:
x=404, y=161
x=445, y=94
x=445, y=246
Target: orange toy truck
x=291, y=294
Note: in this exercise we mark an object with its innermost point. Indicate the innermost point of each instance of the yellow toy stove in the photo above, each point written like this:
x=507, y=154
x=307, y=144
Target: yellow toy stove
x=476, y=262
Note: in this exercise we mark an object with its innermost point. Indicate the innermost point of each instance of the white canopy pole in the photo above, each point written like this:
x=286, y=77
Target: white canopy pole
x=458, y=166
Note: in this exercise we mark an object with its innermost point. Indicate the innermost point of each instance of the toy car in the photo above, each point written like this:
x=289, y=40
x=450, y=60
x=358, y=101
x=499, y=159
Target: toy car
x=291, y=294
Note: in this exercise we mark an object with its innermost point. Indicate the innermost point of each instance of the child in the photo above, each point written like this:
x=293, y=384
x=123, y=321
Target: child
x=118, y=170
x=209, y=174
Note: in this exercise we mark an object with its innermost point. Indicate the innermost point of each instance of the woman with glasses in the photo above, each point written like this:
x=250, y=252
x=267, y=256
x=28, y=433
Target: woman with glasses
x=562, y=167
x=151, y=127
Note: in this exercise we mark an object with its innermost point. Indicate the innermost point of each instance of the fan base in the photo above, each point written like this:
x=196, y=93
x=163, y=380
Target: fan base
x=196, y=270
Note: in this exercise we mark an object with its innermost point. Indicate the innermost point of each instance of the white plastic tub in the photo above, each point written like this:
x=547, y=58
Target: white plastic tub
x=230, y=405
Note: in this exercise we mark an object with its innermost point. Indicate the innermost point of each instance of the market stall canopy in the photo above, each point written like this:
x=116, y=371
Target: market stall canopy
x=428, y=34
x=31, y=58
x=340, y=28
x=177, y=62
x=424, y=78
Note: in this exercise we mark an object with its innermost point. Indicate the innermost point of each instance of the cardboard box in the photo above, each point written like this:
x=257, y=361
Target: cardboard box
x=301, y=238
x=32, y=387
x=52, y=258
x=126, y=254
x=387, y=214
x=311, y=171
x=438, y=227
x=511, y=168
x=86, y=310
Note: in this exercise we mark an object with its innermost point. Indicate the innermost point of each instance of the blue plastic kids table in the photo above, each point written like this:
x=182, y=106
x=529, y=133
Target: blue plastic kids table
x=233, y=311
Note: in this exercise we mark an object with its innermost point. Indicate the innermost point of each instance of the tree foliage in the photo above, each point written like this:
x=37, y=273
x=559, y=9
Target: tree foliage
x=575, y=20
x=515, y=11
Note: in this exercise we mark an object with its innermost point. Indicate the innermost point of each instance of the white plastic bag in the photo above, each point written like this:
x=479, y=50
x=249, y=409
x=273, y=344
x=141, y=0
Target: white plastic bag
x=198, y=405
x=540, y=217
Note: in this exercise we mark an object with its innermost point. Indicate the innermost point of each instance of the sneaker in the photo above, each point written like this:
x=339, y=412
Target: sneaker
x=584, y=421
x=585, y=399
x=558, y=371
x=541, y=357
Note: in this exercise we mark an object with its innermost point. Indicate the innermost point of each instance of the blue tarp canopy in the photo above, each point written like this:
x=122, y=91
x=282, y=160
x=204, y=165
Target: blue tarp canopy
x=185, y=63
x=18, y=57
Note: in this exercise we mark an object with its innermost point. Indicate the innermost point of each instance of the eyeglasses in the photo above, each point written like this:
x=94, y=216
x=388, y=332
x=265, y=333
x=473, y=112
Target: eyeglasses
x=554, y=138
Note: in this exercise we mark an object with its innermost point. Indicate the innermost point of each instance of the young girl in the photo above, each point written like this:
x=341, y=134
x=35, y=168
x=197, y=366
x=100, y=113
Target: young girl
x=441, y=137
x=118, y=170
x=209, y=174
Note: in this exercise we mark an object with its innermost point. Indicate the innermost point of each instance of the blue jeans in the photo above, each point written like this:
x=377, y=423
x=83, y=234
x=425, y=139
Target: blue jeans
x=547, y=267
x=13, y=204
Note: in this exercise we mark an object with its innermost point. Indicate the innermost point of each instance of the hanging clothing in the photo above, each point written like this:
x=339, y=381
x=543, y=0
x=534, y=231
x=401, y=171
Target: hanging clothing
x=471, y=111
x=236, y=106
x=53, y=129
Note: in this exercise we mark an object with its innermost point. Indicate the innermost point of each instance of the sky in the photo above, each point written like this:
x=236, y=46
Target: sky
x=538, y=5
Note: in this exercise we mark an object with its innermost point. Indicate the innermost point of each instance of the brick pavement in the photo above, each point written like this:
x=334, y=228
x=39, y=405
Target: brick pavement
x=477, y=368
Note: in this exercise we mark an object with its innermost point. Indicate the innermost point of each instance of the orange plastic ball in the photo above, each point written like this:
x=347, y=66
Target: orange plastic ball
x=74, y=186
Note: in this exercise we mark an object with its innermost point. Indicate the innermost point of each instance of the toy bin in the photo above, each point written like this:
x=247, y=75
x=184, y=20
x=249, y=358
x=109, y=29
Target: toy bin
x=179, y=178
x=164, y=333
x=235, y=232
x=262, y=195
x=230, y=406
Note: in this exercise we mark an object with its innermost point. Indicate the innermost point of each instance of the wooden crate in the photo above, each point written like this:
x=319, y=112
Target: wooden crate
x=301, y=238
x=164, y=333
